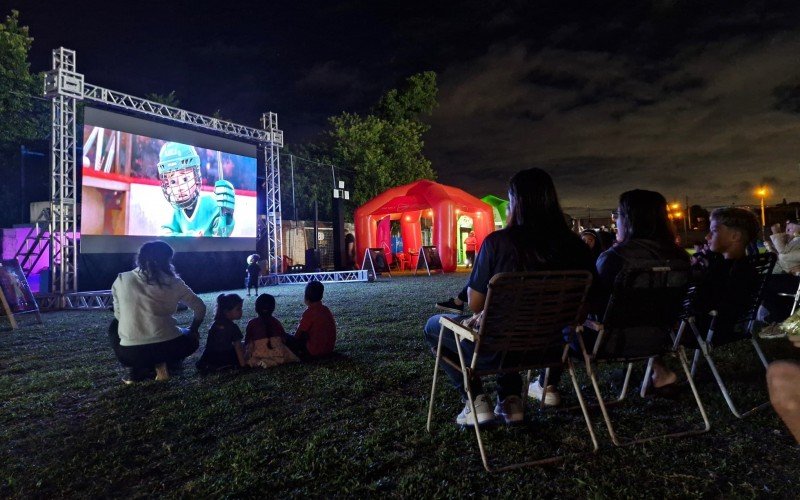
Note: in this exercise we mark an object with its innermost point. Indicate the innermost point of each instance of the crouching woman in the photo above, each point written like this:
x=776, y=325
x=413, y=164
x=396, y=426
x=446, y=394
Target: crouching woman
x=144, y=334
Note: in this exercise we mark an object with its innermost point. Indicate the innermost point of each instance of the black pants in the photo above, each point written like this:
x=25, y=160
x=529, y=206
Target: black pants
x=470, y=257
x=149, y=355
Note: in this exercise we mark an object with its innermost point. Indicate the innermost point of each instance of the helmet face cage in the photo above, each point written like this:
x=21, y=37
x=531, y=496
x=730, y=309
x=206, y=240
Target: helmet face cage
x=179, y=172
x=181, y=187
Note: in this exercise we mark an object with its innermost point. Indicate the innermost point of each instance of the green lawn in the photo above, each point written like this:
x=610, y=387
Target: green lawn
x=353, y=425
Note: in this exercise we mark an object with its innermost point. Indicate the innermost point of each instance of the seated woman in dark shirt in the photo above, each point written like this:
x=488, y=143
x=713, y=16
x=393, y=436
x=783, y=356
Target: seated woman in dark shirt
x=536, y=238
x=644, y=234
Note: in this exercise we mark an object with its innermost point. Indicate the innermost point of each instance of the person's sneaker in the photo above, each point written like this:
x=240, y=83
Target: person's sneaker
x=511, y=410
x=450, y=305
x=135, y=375
x=772, y=331
x=535, y=391
x=162, y=373
x=482, y=407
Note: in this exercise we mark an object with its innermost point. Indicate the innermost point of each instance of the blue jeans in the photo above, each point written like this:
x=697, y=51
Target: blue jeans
x=508, y=384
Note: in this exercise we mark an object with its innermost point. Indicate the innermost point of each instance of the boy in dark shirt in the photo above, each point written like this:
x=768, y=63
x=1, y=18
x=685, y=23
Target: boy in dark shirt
x=726, y=284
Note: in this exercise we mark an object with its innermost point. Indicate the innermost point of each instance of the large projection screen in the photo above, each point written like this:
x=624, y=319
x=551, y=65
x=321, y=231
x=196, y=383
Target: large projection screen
x=143, y=180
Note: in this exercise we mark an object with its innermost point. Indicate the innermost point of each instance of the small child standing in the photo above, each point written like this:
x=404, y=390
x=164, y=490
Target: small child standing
x=316, y=334
x=224, y=346
x=264, y=337
x=253, y=271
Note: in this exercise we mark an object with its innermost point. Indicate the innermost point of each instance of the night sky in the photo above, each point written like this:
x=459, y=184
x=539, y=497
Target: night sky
x=691, y=98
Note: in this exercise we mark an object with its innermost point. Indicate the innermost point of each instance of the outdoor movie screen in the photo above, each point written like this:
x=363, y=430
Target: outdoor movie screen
x=145, y=180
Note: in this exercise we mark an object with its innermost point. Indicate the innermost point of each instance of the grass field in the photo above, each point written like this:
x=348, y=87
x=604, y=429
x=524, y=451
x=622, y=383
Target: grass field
x=351, y=425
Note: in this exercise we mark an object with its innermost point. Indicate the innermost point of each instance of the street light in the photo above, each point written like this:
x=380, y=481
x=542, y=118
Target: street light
x=762, y=192
x=674, y=213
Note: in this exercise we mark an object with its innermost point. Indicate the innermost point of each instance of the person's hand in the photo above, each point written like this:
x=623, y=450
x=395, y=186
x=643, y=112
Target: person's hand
x=474, y=321
x=225, y=195
x=699, y=259
x=776, y=228
x=795, y=270
x=795, y=340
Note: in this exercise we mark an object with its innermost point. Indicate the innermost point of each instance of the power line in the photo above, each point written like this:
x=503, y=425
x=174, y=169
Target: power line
x=321, y=164
x=29, y=96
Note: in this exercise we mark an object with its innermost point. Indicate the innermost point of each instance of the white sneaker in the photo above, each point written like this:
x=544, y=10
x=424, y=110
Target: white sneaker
x=482, y=407
x=535, y=391
x=511, y=410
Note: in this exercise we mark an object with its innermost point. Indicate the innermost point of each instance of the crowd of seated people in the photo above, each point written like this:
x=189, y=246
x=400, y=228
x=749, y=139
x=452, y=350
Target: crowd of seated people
x=724, y=277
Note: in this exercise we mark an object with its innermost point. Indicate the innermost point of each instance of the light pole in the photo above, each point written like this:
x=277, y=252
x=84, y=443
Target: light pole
x=762, y=192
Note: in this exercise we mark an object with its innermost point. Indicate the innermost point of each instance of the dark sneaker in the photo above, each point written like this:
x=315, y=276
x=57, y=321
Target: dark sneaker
x=450, y=306
x=135, y=375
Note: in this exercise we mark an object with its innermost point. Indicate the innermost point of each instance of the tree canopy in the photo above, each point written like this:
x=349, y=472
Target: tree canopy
x=385, y=148
x=20, y=115
x=23, y=117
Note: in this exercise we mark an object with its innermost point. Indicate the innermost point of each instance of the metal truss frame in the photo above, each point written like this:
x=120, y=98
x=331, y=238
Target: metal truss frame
x=100, y=299
x=272, y=181
x=64, y=86
x=324, y=277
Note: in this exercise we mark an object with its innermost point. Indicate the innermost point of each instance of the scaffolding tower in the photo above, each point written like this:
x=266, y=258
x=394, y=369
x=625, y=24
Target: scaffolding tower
x=272, y=181
x=64, y=86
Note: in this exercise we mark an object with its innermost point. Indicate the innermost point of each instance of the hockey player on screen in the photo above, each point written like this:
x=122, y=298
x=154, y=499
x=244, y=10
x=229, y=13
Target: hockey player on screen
x=196, y=213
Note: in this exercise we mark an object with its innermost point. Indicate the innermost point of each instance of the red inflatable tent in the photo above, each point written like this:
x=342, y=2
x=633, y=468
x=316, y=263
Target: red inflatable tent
x=443, y=204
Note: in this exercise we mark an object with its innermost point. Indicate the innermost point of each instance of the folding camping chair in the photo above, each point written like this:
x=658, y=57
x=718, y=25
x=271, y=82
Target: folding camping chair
x=742, y=329
x=524, y=318
x=645, y=306
x=795, y=297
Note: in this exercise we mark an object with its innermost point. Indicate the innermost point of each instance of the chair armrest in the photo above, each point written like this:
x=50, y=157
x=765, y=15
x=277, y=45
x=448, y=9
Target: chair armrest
x=458, y=329
x=594, y=325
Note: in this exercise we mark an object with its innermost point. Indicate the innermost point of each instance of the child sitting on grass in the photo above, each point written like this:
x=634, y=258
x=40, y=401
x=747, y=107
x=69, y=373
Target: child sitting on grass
x=264, y=337
x=316, y=334
x=224, y=346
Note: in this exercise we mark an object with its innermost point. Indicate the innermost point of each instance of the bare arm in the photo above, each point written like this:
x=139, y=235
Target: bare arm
x=237, y=346
x=476, y=300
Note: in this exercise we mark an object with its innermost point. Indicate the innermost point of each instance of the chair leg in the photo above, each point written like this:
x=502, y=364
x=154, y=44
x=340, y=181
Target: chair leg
x=612, y=433
x=695, y=360
x=624, y=392
x=725, y=394
x=435, y=373
x=690, y=378
x=646, y=380
x=584, y=410
x=471, y=399
x=760, y=353
x=593, y=377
